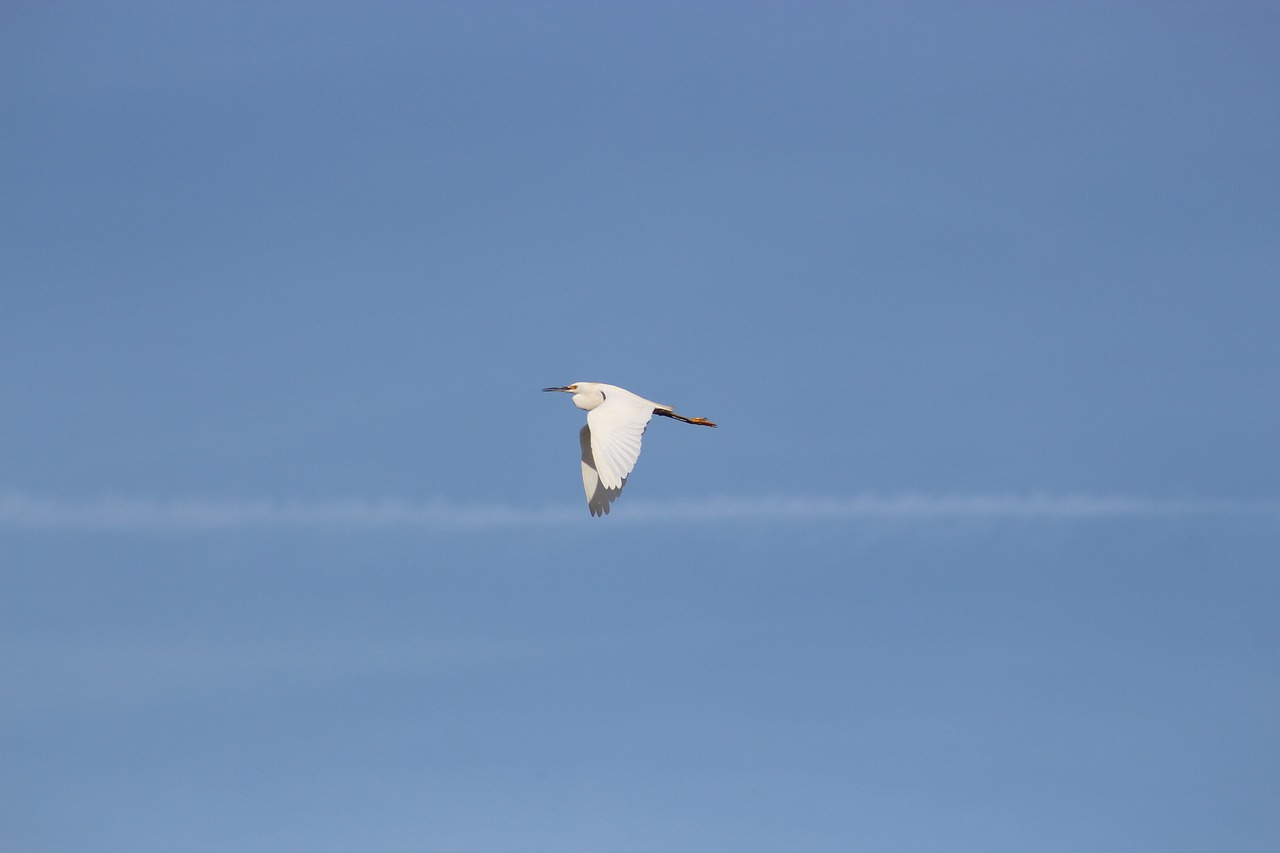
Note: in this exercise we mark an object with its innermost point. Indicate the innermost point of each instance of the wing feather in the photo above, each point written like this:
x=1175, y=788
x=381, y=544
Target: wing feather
x=617, y=425
x=598, y=497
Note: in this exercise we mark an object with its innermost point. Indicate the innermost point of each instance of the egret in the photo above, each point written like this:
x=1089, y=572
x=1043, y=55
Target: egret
x=610, y=441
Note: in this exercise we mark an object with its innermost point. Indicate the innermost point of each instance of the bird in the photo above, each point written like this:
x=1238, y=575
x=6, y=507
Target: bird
x=610, y=442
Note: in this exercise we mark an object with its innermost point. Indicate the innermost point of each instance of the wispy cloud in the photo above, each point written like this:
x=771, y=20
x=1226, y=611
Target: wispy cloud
x=20, y=510
x=144, y=514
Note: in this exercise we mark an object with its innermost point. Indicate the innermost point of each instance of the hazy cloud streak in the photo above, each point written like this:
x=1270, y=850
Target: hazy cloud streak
x=18, y=510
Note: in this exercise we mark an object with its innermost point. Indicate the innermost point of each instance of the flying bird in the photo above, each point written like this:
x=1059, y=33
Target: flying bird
x=616, y=419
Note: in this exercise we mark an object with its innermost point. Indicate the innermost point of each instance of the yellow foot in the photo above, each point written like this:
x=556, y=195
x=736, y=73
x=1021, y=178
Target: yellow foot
x=702, y=421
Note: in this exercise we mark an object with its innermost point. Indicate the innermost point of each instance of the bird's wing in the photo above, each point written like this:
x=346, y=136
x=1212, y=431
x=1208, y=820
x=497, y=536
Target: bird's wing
x=598, y=497
x=616, y=427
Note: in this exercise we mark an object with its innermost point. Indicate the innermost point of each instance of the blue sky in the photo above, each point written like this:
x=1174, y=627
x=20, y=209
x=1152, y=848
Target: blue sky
x=293, y=552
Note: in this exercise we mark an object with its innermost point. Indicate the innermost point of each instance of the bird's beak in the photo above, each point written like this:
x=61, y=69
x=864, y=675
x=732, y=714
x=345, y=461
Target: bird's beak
x=561, y=388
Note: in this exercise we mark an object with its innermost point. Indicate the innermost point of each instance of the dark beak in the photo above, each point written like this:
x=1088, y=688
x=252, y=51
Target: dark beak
x=561, y=388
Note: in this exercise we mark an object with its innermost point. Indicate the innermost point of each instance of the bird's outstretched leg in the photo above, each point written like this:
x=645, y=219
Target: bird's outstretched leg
x=667, y=413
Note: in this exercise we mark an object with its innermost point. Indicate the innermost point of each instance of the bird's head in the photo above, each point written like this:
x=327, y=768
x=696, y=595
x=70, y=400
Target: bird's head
x=586, y=395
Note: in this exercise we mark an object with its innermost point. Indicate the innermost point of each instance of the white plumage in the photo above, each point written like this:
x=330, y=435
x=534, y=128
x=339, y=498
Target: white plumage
x=610, y=442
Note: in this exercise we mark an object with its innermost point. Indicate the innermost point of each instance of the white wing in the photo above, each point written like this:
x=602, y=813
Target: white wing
x=616, y=427
x=598, y=497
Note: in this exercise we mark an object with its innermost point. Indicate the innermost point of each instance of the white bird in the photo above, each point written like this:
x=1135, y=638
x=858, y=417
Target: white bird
x=610, y=441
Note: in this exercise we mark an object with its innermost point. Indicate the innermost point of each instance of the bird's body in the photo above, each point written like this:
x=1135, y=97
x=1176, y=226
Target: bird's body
x=610, y=442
